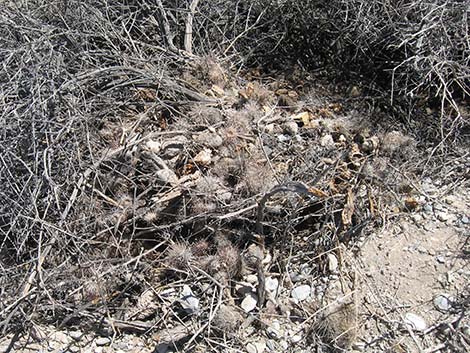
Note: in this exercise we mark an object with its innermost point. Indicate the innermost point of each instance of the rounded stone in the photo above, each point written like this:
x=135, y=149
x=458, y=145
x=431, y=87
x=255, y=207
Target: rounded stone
x=415, y=322
x=249, y=303
x=443, y=302
x=301, y=293
x=102, y=341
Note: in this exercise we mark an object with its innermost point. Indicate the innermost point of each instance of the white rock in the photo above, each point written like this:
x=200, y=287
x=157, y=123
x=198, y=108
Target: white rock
x=204, y=157
x=291, y=128
x=271, y=284
x=332, y=263
x=270, y=345
x=251, y=279
x=249, y=302
x=167, y=176
x=301, y=293
x=417, y=218
x=76, y=335
x=443, y=302
x=284, y=345
x=359, y=346
x=327, y=141
x=102, y=341
x=153, y=146
x=415, y=322
x=269, y=129
x=296, y=339
x=442, y=216
x=428, y=208
x=267, y=259
x=209, y=139
x=60, y=337
x=283, y=138
x=256, y=347
x=188, y=301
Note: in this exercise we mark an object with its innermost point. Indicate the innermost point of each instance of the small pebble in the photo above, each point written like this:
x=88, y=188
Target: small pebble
x=417, y=218
x=188, y=301
x=301, y=293
x=291, y=128
x=251, y=279
x=415, y=322
x=284, y=345
x=271, y=284
x=204, y=157
x=443, y=302
x=76, y=335
x=296, y=339
x=166, y=176
x=269, y=129
x=465, y=220
x=249, y=302
x=102, y=341
x=327, y=141
x=283, y=138
x=442, y=216
x=359, y=346
x=256, y=347
x=428, y=208
x=332, y=262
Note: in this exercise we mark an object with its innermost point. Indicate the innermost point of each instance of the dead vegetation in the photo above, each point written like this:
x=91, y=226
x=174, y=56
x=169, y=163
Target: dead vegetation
x=142, y=184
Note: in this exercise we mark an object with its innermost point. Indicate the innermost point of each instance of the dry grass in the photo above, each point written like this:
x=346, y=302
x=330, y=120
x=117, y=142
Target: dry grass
x=102, y=119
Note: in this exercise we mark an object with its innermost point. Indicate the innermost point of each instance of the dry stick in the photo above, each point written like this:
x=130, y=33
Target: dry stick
x=188, y=36
x=166, y=27
x=295, y=187
x=80, y=186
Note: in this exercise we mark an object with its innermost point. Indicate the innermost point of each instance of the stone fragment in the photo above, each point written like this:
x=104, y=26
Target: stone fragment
x=415, y=322
x=102, y=341
x=291, y=128
x=256, y=347
x=76, y=335
x=443, y=302
x=188, y=301
x=271, y=284
x=204, y=157
x=301, y=293
x=332, y=263
x=153, y=146
x=167, y=176
x=249, y=302
x=327, y=141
